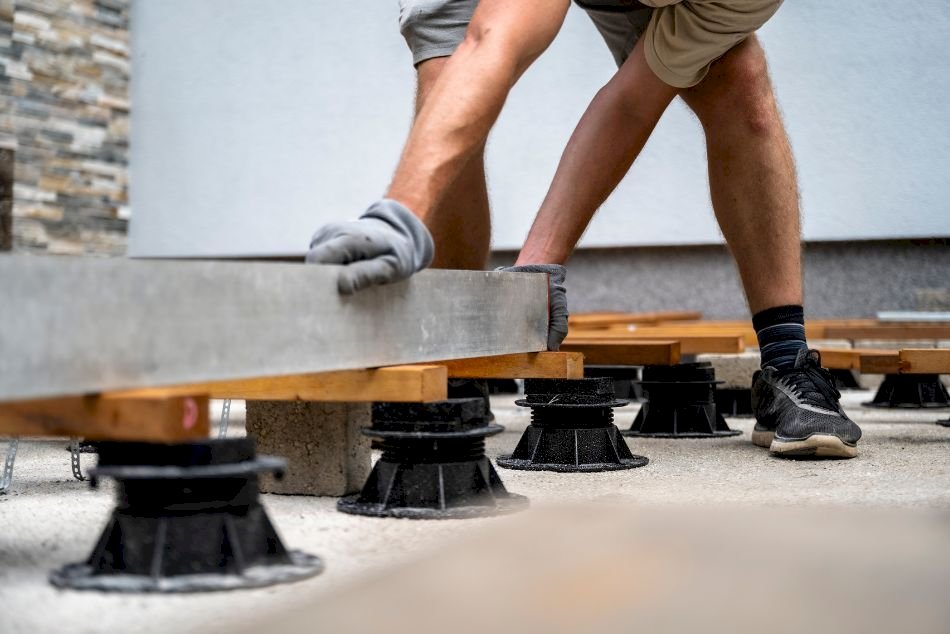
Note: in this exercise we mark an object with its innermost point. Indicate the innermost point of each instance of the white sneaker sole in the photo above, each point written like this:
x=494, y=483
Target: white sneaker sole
x=817, y=446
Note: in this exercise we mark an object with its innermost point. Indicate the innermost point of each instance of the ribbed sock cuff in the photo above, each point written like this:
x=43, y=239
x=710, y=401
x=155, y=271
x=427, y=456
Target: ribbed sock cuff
x=778, y=315
x=781, y=334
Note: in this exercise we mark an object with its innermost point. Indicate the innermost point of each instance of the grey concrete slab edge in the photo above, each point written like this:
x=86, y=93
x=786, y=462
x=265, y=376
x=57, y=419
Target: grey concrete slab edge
x=73, y=326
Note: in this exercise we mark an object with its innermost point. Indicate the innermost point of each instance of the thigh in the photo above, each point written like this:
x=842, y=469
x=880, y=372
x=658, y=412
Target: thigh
x=434, y=28
x=684, y=39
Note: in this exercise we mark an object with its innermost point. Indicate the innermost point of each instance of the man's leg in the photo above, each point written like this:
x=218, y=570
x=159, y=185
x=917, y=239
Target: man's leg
x=604, y=145
x=461, y=225
x=502, y=40
x=490, y=43
x=755, y=197
x=752, y=175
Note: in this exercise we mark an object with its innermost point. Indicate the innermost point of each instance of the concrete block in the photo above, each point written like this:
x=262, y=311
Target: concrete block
x=735, y=370
x=325, y=451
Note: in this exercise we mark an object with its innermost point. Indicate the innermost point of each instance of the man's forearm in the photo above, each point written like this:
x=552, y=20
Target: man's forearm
x=503, y=40
x=608, y=138
x=453, y=124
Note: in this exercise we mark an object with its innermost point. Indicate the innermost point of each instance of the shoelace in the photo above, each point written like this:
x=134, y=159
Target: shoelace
x=812, y=383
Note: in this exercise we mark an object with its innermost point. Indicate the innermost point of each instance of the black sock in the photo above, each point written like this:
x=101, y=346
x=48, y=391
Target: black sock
x=781, y=334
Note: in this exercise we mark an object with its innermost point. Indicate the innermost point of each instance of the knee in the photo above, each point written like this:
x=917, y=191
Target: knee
x=738, y=92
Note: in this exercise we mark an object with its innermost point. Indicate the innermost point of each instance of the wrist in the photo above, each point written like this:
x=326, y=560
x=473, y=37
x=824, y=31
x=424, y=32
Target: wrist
x=415, y=204
x=408, y=226
x=527, y=257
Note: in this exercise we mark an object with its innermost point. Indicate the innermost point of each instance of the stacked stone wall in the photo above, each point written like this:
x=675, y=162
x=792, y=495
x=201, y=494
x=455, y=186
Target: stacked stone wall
x=64, y=90
x=7, y=138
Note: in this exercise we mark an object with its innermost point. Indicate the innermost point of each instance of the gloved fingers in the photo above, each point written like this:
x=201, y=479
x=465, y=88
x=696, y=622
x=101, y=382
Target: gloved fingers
x=333, y=250
x=557, y=299
x=365, y=273
x=557, y=331
x=557, y=320
x=558, y=314
x=328, y=232
x=341, y=249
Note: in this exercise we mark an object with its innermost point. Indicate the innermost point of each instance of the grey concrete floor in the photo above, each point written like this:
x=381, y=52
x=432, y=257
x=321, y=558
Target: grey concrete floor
x=48, y=519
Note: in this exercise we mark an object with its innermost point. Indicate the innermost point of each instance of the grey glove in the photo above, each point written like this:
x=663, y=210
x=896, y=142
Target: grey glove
x=387, y=244
x=557, y=299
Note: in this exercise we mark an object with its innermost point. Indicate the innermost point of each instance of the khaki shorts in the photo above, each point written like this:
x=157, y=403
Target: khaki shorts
x=681, y=37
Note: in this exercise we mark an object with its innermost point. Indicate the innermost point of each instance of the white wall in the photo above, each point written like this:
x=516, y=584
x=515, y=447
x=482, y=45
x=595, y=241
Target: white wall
x=256, y=122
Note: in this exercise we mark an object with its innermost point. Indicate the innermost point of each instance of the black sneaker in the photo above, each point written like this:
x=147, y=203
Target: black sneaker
x=797, y=412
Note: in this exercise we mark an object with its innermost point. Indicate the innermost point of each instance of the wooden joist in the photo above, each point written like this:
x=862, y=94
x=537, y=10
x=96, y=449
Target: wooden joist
x=840, y=358
x=851, y=358
x=602, y=320
x=689, y=344
x=157, y=414
x=866, y=361
x=814, y=329
x=823, y=322
x=872, y=361
x=880, y=362
x=410, y=383
x=890, y=332
x=678, y=331
x=106, y=418
x=161, y=414
x=531, y=365
x=640, y=353
x=925, y=361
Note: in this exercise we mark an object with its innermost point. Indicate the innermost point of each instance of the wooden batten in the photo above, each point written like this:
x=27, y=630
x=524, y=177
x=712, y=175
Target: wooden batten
x=529, y=365
x=173, y=419
x=410, y=383
x=689, y=344
x=640, y=353
x=925, y=361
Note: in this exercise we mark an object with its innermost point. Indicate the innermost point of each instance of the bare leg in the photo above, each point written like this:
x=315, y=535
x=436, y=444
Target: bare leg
x=752, y=175
x=461, y=223
x=608, y=138
x=501, y=42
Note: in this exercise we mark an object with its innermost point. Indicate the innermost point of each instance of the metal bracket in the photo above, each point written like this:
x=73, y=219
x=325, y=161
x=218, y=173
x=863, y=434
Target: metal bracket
x=225, y=418
x=75, y=460
x=7, y=478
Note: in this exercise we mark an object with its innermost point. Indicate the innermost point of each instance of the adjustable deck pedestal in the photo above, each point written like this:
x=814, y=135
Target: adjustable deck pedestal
x=623, y=377
x=433, y=464
x=912, y=391
x=734, y=374
x=188, y=519
x=571, y=428
x=733, y=401
x=681, y=403
x=845, y=379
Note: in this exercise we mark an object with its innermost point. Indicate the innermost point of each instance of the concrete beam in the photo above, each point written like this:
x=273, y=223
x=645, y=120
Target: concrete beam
x=72, y=326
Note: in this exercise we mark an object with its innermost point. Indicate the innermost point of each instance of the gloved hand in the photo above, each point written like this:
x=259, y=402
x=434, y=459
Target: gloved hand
x=387, y=244
x=557, y=299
